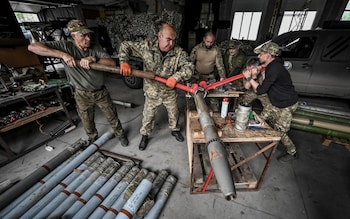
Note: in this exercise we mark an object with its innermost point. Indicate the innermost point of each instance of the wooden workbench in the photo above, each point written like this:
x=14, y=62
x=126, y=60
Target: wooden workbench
x=266, y=141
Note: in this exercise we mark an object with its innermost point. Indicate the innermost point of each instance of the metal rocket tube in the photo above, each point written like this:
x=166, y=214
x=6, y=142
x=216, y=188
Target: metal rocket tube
x=88, y=193
x=136, y=199
x=119, y=203
x=68, y=202
x=50, y=207
x=54, y=180
x=161, y=198
x=45, y=171
x=54, y=192
x=95, y=200
x=216, y=150
x=30, y=190
x=114, y=194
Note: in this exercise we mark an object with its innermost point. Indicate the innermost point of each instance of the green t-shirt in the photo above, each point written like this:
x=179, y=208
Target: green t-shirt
x=78, y=77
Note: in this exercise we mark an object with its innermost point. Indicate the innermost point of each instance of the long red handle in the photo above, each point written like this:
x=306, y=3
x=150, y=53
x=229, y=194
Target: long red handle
x=191, y=90
x=220, y=83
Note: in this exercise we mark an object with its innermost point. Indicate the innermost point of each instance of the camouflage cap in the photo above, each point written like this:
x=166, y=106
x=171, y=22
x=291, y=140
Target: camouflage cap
x=269, y=47
x=232, y=44
x=78, y=26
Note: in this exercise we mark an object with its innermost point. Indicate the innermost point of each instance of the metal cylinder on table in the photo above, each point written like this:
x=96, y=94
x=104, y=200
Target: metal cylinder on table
x=242, y=116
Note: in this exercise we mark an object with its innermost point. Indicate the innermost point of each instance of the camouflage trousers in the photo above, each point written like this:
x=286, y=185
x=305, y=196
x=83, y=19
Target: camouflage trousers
x=280, y=119
x=250, y=95
x=203, y=77
x=151, y=108
x=86, y=102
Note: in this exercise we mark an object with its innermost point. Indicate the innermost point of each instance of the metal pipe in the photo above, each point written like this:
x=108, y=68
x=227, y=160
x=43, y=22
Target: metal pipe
x=162, y=197
x=138, y=196
x=142, y=74
x=19, y=188
x=216, y=150
x=50, y=207
x=340, y=113
x=114, y=194
x=68, y=202
x=149, y=201
x=314, y=115
x=95, y=200
x=118, y=204
x=121, y=103
x=322, y=131
x=321, y=124
x=54, y=192
x=88, y=193
x=30, y=190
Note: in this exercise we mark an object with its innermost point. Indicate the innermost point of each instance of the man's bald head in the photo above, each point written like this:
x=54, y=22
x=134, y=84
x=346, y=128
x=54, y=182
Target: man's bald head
x=166, y=37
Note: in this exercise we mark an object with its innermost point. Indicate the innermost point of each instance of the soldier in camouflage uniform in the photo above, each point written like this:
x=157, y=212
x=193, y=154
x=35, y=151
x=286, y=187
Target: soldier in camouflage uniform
x=279, y=87
x=207, y=56
x=88, y=84
x=166, y=60
x=258, y=74
x=234, y=62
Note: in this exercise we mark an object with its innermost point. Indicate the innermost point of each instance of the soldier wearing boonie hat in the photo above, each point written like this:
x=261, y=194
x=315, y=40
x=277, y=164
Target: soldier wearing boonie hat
x=78, y=26
x=234, y=61
x=269, y=47
x=232, y=44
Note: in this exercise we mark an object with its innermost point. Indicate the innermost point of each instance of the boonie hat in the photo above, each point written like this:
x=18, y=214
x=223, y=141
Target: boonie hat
x=78, y=26
x=232, y=44
x=269, y=47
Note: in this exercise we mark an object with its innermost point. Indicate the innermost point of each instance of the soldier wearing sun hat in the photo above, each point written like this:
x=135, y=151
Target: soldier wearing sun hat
x=88, y=84
x=75, y=26
x=280, y=90
x=234, y=58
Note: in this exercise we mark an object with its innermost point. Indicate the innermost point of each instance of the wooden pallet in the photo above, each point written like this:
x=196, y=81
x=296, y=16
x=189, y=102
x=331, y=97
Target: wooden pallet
x=327, y=140
x=244, y=177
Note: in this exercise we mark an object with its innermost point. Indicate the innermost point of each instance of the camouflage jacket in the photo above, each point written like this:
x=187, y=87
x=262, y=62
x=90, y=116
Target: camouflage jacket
x=206, y=60
x=175, y=63
x=234, y=65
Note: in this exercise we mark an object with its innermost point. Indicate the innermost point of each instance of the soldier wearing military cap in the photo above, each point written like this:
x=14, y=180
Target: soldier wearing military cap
x=88, y=84
x=280, y=90
x=234, y=58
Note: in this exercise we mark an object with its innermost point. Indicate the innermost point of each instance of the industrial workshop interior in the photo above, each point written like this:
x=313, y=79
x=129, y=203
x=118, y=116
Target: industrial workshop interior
x=227, y=165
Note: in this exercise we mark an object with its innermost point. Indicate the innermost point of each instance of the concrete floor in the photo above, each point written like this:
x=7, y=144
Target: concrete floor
x=315, y=186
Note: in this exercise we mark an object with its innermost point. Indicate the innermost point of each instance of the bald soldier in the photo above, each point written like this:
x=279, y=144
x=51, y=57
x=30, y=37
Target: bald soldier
x=207, y=58
x=166, y=60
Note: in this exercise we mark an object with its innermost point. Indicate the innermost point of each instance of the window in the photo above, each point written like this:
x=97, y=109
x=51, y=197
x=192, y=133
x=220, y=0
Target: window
x=26, y=17
x=336, y=49
x=245, y=25
x=300, y=47
x=346, y=14
x=297, y=20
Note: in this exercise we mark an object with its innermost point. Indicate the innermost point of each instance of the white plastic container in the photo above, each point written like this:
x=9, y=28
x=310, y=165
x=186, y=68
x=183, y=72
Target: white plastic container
x=224, y=107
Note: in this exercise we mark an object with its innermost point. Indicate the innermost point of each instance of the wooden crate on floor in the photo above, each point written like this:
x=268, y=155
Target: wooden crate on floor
x=327, y=140
x=244, y=177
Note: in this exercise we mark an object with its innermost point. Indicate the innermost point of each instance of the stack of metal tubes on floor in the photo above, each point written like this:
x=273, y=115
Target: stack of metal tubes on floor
x=329, y=125
x=90, y=185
